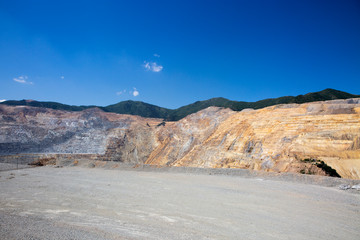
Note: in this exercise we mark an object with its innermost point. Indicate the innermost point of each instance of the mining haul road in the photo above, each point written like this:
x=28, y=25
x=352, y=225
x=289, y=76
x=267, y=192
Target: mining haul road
x=83, y=203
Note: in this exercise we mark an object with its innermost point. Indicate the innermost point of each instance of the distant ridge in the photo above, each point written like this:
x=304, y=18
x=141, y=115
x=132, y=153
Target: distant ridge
x=138, y=108
x=327, y=94
x=152, y=111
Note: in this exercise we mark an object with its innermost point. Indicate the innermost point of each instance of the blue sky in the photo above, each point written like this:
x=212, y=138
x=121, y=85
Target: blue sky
x=172, y=53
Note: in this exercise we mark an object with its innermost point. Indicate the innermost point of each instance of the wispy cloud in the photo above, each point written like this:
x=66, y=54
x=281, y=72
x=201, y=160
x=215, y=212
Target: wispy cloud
x=120, y=92
x=135, y=92
x=62, y=77
x=156, y=68
x=2, y=100
x=156, y=55
x=152, y=66
x=22, y=79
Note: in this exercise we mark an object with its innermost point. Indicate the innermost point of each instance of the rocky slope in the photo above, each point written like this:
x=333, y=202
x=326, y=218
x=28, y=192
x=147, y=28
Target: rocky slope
x=276, y=138
x=92, y=131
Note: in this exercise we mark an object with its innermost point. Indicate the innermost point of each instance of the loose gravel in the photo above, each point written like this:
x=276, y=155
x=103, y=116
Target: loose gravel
x=148, y=203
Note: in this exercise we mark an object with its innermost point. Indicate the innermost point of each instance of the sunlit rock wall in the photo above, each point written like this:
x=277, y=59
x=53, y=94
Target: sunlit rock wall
x=276, y=138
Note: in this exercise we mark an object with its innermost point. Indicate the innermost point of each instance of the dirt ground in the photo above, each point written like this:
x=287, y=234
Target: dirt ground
x=82, y=203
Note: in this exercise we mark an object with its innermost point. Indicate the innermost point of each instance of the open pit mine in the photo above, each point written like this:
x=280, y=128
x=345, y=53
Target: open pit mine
x=299, y=138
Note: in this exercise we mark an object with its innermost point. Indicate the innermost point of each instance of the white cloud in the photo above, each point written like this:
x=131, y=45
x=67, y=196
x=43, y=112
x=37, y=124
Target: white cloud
x=22, y=79
x=147, y=66
x=135, y=92
x=2, y=100
x=62, y=77
x=120, y=92
x=156, y=68
x=153, y=66
x=156, y=55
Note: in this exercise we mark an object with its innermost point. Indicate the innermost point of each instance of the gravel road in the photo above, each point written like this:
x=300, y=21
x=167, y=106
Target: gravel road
x=83, y=203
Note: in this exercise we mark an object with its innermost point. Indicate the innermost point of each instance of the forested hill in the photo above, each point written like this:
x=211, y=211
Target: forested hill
x=149, y=110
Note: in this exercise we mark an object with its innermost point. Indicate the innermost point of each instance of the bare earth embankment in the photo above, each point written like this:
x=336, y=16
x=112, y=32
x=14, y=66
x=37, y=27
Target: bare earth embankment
x=318, y=138
x=82, y=203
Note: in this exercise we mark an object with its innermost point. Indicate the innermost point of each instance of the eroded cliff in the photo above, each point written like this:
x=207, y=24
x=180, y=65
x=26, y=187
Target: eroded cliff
x=277, y=138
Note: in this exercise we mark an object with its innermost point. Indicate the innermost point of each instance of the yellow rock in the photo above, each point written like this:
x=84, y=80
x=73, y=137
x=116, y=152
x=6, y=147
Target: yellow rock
x=276, y=138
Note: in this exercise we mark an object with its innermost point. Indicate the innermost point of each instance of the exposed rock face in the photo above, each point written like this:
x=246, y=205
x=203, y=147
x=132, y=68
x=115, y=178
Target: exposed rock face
x=276, y=138
x=37, y=130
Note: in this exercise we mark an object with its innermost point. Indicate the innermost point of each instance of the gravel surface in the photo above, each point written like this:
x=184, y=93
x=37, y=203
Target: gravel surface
x=83, y=203
x=12, y=166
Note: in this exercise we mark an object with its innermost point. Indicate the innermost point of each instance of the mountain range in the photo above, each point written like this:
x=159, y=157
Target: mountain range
x=152, y=111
